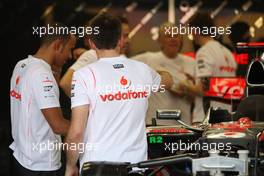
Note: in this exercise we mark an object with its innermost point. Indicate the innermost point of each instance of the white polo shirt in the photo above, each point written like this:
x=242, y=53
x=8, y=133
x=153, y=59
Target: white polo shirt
x=33, y=88
x=116, y=90
x=179, y=68
x=86, y=58
x=213, y=60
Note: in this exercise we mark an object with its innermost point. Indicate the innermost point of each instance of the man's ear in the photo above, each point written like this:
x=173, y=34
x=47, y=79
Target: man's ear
x=57, y=45
x=92, y=45
x=86, y=42
x=121, y=42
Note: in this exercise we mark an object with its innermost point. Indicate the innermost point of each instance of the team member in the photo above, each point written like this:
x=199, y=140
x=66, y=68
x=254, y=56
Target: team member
x=212, y=60
x=109, y=102
x=89, y=56
x=36, y=117
x=240, y=32
x=179, y=66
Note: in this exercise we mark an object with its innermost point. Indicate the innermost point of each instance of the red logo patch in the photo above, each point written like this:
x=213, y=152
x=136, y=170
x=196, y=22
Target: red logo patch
x=17, y=80
x=123, y=81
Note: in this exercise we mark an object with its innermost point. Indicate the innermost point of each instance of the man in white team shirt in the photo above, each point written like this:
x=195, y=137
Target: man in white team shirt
x=212, y=60
x=109, y=102
x=36, y=117
x=181, y=68
x=89, y=56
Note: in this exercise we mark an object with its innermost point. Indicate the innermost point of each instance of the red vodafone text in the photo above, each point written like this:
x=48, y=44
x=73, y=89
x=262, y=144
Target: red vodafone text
x=124, y=95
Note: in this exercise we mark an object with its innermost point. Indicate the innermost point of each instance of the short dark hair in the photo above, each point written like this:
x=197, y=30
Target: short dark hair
x=201, y=20
x=48, y=38
x=238, y=29
x=109, y=31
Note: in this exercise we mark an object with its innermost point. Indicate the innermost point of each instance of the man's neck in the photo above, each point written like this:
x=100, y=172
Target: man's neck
x=107, y=53
x=204, y=40
x=170, y=55
x=45, y=55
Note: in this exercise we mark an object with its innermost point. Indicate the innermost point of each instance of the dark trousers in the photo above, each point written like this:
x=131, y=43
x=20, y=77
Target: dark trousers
x=18, y=170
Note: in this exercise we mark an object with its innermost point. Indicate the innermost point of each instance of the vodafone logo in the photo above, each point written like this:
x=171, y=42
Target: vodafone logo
x=227, y=88
x=124, y=82
x=124, y=96
x=15, y=95
x=234, y=91
x=17, y=80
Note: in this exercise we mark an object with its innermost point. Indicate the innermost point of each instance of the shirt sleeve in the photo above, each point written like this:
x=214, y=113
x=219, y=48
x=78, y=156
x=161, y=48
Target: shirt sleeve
x=142, y=58
x=231, y=59
x=190, y=65
x=156, y=79
x=79, y=92
x=204, y=65
x=86, y=58
x=45, y=90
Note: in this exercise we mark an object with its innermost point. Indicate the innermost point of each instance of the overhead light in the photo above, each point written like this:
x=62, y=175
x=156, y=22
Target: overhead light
x=191, y=12
x=48, y=10
x=184, y=6
x=262, y=57
x=252, y=31
x=190, y=37
x=145, y=19
x=247, y=5
x=219, y=9
x=80, y=7
x=131, y=7
x=236, y=11
x=155, y=33
x=259, y=22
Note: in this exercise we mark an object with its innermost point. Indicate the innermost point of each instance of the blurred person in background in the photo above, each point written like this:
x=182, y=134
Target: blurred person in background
x=239, y=33
x=212, y=60
x=85, y=57
x=180, y=67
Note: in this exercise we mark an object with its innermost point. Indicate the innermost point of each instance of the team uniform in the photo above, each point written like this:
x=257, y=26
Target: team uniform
x=116, y=90
x=86, y=58
x=213, y=60
x=179, y=68
x=33, y=88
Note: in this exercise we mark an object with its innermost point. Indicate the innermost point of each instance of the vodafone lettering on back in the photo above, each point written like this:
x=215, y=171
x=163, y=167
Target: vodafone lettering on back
x=124, y=96
x=124, y=93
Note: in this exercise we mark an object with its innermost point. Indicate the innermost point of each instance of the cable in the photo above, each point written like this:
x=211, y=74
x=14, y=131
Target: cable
x=163, y=161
